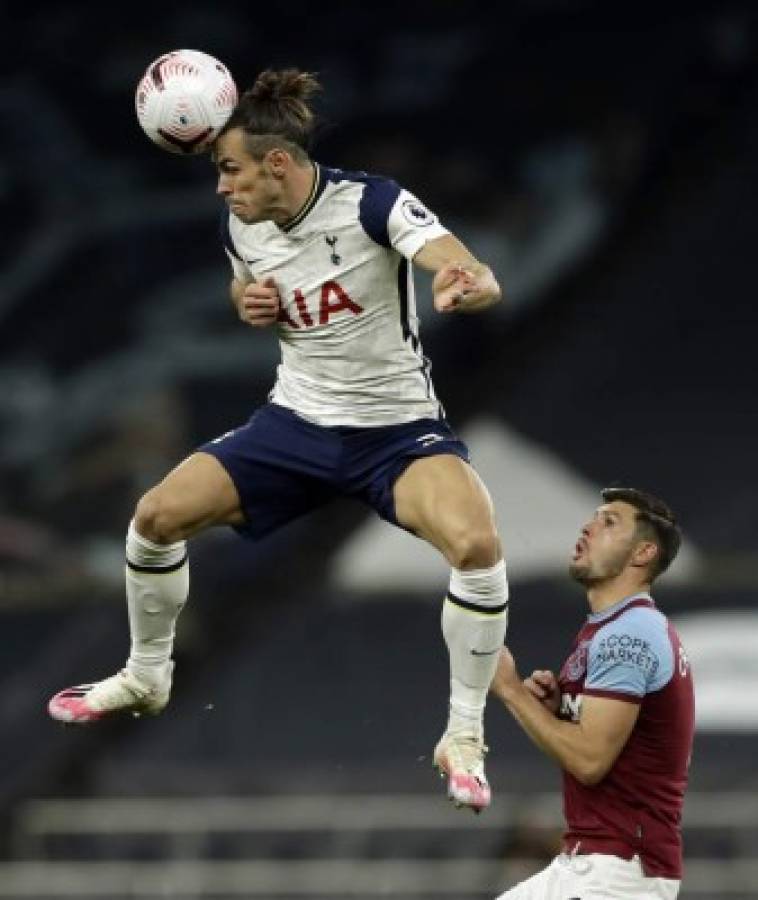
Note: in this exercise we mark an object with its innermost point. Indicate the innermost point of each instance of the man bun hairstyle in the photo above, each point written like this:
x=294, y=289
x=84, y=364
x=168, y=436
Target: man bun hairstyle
x=275, y=112
x=655, y=522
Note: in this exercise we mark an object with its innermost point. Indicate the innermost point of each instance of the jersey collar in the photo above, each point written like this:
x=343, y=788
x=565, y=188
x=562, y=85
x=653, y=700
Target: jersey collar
x=617, y=607
x=317, y=189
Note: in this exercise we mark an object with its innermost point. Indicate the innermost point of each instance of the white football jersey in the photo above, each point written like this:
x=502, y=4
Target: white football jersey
x=348, y=328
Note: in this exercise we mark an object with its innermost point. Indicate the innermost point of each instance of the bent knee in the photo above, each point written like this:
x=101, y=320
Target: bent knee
x=474, y=548
x=159, y=518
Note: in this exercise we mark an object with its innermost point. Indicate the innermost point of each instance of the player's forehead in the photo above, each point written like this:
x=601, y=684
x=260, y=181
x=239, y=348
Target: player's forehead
x=231, y=147
x=618, y=510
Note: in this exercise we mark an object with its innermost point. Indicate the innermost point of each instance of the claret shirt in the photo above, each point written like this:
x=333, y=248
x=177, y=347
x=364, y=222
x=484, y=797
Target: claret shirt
x=348, y=328
x=631, y=652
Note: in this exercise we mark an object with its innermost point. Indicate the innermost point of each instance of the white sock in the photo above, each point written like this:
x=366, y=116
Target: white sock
x=157, y=585
x=474, y=622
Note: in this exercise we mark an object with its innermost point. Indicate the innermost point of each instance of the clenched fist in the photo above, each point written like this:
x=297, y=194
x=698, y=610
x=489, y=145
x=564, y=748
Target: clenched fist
x=259, y=303
x=460, y=288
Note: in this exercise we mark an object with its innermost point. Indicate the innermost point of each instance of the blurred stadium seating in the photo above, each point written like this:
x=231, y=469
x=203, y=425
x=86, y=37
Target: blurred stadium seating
x=610, y=176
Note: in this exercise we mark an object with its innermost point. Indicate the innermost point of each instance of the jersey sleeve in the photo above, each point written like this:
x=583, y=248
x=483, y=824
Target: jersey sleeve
x=393, y=217
x=630, y=657
x=240, y=270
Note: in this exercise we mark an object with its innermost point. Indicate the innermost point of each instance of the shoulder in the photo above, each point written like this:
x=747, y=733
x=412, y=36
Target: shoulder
x=225, y=233
x=372, y=190
x=641, y=629
x=645, y=618
x=346, y=178
x=237, y=235
x=374, y=195
x=636, y=641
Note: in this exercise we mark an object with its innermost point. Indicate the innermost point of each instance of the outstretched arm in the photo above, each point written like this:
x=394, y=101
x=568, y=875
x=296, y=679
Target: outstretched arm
x=586, y=749
x=461, y=283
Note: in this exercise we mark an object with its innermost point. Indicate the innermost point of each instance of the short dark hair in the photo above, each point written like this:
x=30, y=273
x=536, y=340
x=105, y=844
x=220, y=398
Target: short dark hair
x=655, y=522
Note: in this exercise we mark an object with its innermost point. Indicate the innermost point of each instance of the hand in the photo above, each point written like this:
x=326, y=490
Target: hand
x=543, y=685
x=260, y=303
x=460, y=288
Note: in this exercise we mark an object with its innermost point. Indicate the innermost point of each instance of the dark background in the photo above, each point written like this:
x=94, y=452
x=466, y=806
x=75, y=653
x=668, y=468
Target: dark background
x=603, y=158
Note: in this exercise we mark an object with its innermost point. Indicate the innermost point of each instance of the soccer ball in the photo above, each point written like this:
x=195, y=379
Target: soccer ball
x=184, y=99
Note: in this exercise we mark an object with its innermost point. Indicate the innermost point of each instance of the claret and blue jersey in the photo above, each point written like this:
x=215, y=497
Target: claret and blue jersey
x=631, y=653
x=348, y=328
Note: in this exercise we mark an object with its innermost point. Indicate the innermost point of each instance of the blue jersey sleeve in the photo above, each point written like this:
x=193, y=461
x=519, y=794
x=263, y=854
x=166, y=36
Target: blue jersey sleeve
x=379, y=197
x=393, y=218
x=631, y=655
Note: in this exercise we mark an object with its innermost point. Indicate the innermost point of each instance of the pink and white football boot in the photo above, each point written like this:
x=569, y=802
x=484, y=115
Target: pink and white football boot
x=459, y=757
x=123, y=692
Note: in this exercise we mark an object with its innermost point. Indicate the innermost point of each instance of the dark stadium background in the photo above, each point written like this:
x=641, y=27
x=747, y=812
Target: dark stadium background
x=604, y=159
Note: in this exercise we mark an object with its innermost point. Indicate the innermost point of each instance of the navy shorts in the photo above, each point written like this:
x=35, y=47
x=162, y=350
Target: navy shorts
x=284, y=466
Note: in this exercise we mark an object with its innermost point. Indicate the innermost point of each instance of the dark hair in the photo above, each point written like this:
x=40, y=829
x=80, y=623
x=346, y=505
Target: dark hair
x=275, y=112
x=655, y=522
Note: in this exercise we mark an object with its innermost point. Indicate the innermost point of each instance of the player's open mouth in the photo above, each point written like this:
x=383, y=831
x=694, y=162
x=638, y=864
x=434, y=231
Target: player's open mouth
x=581, y=546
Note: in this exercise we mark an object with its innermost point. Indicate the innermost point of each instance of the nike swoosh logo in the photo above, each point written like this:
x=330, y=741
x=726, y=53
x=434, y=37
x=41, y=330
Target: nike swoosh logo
x=484, y=652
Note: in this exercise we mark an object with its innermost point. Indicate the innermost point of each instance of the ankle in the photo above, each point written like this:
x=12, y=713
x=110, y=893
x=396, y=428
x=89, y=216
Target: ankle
x=152, y=674
x=468, y=722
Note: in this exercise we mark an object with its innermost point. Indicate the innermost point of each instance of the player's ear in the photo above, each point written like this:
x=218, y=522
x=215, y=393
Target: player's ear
x=644, y=553
x=276, y=159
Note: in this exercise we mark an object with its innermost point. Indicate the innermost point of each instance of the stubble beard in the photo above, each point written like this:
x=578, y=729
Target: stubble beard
x=588, y=575
x=579, y=573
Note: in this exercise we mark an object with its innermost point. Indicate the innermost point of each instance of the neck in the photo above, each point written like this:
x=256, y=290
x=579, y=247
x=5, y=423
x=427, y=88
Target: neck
x=603, y=594
x=300, y=186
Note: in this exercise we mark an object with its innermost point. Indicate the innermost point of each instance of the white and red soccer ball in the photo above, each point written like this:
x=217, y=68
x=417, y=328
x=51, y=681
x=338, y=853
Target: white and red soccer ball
x=184, y=99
